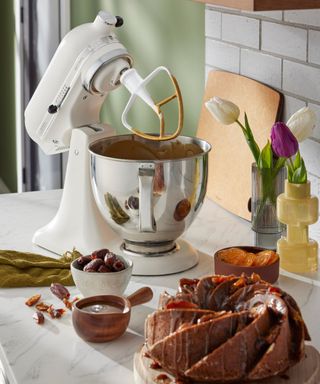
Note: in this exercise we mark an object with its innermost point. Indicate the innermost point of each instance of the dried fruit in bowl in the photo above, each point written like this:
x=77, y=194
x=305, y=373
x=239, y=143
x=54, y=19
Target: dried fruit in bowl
x=101, y=260
x=240, y=257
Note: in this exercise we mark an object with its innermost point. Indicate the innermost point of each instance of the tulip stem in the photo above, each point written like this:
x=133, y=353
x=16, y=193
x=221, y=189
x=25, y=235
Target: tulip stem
x=250, y=140
x=291, y=162
x=279, y=164
x=290, y=168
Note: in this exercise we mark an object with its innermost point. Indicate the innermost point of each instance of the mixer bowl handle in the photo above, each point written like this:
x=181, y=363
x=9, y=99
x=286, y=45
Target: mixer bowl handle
x=146, y=178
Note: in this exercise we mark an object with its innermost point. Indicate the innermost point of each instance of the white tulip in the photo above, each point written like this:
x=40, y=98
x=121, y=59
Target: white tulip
x=223, y=110
x=302, y=123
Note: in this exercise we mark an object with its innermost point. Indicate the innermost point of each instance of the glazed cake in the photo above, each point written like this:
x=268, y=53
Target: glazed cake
x=224, y=329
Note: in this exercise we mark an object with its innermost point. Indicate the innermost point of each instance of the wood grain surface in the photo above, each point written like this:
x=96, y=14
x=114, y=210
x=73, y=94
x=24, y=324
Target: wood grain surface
x=229, y=182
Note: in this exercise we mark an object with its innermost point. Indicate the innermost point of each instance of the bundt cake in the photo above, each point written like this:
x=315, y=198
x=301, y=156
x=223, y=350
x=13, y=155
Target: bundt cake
x=226, y=329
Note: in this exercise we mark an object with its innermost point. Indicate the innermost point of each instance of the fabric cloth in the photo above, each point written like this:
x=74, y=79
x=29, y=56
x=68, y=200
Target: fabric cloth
x=23, y=269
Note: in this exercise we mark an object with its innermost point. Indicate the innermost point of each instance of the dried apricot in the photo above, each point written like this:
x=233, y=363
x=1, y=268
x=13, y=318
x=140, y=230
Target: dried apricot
x=274, y=257
x=263, y=258
x=235, y=256
x=250, y=257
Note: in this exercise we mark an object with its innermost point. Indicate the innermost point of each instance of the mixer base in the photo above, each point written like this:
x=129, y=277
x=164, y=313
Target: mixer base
x=181, y=258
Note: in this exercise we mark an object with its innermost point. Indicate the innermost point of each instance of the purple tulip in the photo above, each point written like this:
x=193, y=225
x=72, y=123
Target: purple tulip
x=284, y=143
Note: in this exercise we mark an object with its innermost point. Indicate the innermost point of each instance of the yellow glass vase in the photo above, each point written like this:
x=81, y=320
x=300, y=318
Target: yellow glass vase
x=297, y=209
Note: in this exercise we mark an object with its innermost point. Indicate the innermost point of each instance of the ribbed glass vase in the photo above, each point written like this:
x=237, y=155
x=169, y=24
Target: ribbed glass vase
x=265, y=190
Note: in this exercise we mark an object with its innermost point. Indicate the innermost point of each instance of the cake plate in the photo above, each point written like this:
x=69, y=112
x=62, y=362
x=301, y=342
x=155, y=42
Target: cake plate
x=306, y=371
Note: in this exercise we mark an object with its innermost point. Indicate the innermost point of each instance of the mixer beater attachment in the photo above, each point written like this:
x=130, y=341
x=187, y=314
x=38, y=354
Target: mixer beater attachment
x=136, y=86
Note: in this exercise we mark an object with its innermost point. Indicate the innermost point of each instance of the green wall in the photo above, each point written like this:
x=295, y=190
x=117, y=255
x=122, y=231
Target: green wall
x=155, y=32
x=7, y=102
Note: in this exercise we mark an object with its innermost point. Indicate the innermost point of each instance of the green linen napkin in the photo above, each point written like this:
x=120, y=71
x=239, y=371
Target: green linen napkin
x=24, y=269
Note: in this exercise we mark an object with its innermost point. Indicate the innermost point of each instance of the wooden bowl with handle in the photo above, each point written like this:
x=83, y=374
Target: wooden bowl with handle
x=98, y=319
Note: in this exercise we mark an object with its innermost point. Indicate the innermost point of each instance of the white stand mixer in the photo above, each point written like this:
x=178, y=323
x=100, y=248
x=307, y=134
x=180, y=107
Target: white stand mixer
x=63, y=115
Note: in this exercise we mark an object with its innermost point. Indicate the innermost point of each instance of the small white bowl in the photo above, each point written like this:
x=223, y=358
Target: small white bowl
x=102, y=283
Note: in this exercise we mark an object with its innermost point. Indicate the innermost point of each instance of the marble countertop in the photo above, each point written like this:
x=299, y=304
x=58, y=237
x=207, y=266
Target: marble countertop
x=53, y=353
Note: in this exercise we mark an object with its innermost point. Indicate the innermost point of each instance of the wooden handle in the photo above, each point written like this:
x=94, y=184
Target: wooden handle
x=141, y=296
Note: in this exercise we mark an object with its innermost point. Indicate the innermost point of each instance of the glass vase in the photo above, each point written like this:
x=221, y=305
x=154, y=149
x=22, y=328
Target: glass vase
x=297, y=208
x=265, y=190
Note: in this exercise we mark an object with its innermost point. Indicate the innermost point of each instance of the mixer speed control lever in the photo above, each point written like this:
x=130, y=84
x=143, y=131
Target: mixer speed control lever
x=52, y=109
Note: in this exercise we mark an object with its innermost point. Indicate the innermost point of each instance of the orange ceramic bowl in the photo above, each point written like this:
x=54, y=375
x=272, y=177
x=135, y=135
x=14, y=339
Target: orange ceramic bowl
x=269, y=273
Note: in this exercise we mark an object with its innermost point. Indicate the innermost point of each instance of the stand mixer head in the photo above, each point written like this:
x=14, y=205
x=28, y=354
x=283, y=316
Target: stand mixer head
x=88, y=64
x=64, y=114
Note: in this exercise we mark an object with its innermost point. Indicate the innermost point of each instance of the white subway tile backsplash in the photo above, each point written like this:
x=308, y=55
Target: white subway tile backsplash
x=213, y=24
x=314, y=47
x=261, y=67
x=291, y=105
x=306, y=17
x=310, y=151
x=284, y=40
x=241, y=30
x=316, y=131
x=301, y=80
x=223, y=56
x=315, y=187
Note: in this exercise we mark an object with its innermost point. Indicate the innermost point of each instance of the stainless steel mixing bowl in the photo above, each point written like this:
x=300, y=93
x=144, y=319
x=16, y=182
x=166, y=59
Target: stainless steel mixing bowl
x=149, y=203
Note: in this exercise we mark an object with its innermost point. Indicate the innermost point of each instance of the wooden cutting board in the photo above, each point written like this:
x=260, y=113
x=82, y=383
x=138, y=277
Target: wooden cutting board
x=229, y=182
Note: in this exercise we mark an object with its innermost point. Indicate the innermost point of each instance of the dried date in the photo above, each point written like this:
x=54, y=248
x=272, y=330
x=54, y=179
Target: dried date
x=118, y=266
x=93, y=266
x=55, y=313
x=83, y=260
x=42, y=307
x=103, y=268
x=99, y=254
x=60, y=291
x=32, y=300
x=38, y=317
x=109, y=259
x=69, y=304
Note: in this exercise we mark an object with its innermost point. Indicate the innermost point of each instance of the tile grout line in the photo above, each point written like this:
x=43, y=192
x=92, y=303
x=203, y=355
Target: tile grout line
x=281, y=21
x=272, y=54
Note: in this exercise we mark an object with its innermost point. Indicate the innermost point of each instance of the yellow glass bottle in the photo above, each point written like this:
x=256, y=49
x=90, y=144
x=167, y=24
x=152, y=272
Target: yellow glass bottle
x=297, y=209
